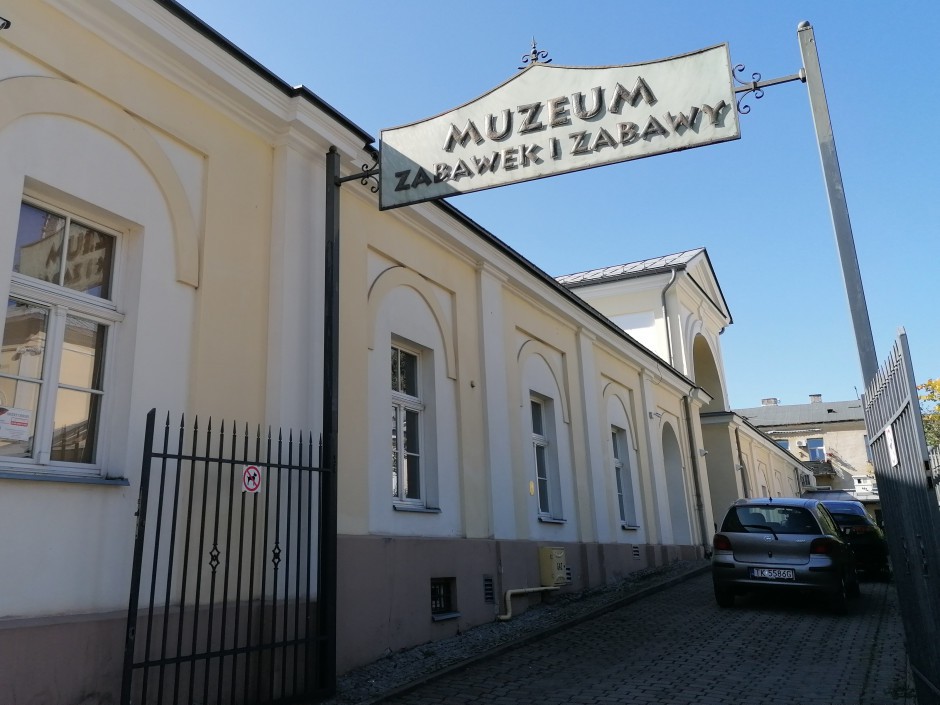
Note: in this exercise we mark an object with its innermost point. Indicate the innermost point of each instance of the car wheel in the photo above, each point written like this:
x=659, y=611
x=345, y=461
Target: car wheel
x=724, y=597
x=839, y=600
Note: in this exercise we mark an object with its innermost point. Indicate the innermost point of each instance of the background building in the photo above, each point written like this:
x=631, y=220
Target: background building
x=674, y=305
x=829, y=438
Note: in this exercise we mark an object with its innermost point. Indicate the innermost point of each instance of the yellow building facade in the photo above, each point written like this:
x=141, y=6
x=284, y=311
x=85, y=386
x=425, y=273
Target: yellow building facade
x=486, y=411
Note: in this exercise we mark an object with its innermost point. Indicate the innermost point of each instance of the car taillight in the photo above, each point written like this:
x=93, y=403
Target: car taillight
x=721, y=543
x=825, y=546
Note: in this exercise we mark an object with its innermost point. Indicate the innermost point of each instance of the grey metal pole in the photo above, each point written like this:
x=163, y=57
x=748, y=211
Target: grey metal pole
x=837, y=204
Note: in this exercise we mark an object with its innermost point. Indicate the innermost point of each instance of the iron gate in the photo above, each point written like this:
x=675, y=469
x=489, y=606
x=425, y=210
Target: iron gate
x=223, y=606
x=911, y=515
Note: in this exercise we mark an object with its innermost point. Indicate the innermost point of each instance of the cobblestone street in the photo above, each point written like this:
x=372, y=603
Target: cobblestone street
x=677, y=647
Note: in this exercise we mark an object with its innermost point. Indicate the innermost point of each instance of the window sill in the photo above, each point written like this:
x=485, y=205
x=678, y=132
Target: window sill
x=630, y=527
x=416, y=508
x=552, y=520
x=444, y=616
x=67, y=479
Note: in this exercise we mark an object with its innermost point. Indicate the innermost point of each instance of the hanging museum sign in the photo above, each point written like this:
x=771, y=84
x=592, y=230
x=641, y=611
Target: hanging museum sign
x=550, y=120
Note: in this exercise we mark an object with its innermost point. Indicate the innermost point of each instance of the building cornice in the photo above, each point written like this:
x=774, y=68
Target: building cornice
x=164, y=36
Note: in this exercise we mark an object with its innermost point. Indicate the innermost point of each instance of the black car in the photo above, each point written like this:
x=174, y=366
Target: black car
x=867, y=540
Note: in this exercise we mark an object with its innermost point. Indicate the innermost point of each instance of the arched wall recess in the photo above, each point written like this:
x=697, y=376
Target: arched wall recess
x=534, y=347
x=614, y=393
x=24, y=96
x=395, y=277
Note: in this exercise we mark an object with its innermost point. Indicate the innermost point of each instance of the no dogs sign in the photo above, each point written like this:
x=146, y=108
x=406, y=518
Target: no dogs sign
x=251, y=479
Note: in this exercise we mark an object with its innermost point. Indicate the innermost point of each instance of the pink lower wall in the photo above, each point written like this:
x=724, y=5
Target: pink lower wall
x=384, y=595
x=62, y=660
x=383, y=606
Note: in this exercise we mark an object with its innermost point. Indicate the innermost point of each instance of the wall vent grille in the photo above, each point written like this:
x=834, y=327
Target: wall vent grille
x=489, y=592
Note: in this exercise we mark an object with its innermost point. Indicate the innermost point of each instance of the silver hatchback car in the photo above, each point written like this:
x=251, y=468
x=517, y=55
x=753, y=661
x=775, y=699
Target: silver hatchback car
x=783, y=543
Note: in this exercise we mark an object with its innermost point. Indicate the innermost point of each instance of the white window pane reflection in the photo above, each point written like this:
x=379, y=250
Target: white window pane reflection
x=24, y=340
x=88, y=261
x=82, y=354
x=412, y=456
x=73, y=434
x=39, y=241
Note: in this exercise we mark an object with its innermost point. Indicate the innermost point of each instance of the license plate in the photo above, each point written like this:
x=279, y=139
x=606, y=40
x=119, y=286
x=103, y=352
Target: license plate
x=772, y=573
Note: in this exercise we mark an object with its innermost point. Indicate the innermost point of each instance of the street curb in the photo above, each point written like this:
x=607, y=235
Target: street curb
x=536, y=636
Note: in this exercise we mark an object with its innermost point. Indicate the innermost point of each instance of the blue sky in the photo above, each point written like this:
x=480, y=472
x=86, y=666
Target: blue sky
x=757, y=204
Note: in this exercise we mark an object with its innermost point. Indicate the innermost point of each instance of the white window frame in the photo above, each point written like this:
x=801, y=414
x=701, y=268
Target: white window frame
x=540, y=450
x=60, y=303
x=819, y=451
x=623, y=477
x=545, y=459
x=402, y=404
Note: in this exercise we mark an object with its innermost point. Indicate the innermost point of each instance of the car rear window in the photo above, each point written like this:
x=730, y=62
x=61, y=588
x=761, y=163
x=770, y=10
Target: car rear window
x=845, y=507
x=763, y=518
x=849, y=519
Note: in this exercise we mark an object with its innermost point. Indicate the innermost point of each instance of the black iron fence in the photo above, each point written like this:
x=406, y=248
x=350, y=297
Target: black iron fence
x=911, y=514
x=224, y=587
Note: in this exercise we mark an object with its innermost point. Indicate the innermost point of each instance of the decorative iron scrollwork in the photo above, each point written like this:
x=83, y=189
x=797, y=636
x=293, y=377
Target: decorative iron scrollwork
x=751, y=86
x=535, y=57
x=370, y=172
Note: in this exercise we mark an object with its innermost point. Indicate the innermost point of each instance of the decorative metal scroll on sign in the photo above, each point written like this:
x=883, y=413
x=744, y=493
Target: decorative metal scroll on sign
x=370, y=172
x=751, y=86
x=534, y=57
x=756, y=85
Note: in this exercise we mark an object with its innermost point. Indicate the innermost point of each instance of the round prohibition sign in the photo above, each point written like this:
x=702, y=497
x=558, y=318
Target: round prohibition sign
x=251, y=479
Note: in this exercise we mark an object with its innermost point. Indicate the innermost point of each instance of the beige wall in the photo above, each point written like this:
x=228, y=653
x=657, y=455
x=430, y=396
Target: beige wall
x=214, y=179
x=767, y=468
x=495, y=333
x=190, y=189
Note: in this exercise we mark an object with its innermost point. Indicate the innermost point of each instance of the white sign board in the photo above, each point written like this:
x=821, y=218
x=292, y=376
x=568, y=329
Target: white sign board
x=550, y=120
x=14, y=424
x=892, y=448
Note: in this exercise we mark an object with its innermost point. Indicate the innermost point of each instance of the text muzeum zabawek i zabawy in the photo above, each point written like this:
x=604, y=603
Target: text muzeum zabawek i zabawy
x=629, y=112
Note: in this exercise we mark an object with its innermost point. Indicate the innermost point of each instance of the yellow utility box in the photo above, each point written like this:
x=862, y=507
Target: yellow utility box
x=553, y=566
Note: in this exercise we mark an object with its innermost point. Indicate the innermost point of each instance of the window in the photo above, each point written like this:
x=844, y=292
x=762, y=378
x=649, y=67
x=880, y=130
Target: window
x=55, y=335
x=783, y=444
x=623, y=476
x=540, y=447
x=443, y=605
x=816, y=449
x=406, y=427
x=545, y=456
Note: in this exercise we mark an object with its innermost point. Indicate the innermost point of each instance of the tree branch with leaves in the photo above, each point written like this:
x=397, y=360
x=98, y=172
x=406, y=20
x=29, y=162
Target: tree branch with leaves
x=930, y=410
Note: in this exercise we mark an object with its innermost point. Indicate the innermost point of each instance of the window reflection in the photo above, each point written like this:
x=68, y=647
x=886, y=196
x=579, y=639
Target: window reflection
x=41, y=239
